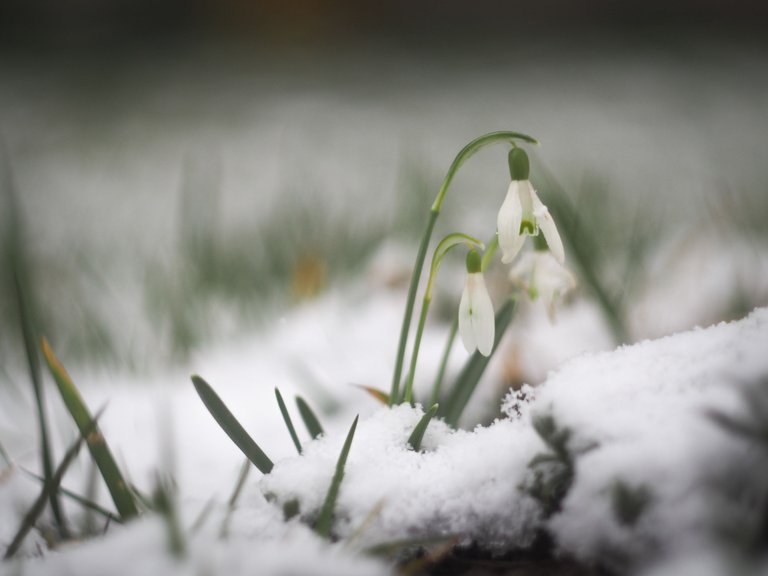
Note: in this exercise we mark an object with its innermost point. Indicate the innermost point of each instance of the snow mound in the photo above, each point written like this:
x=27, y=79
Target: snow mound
x=617, y=456
x=639, y=465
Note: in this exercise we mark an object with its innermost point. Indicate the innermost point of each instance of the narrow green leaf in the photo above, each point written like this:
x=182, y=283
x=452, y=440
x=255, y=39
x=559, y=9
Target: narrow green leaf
x=238, y=489
x=414, y=441
x=143, y=501
x=82, y=500
x=164, y=503
x=310, y=420
x=325, y=521
x=231, y=426
x=288, y=421
x=202, y=517
x=25, y=302
x=470, y=375
x=39, y=505
x=118, y=489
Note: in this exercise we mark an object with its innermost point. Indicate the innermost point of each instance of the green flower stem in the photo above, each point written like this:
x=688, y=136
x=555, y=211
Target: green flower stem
x=415, y=277
x=408, y=397
x=469, y=150
x=461, y=157
x=489, y=253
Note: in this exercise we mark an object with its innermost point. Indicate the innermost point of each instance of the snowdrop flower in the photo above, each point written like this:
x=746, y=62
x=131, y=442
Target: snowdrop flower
x=523, y=214
x=541, y=275
x=476, y=320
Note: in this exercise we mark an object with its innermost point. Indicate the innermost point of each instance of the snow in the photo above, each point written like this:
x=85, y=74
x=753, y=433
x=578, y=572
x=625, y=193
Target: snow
x=637, y=418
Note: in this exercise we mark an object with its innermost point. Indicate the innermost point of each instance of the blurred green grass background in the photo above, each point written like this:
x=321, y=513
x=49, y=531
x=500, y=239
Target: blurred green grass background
x=171, y=199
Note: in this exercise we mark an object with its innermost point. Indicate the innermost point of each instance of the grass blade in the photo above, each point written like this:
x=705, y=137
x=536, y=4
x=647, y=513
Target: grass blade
x=51, y=486
x=164, y=504
x=202, y=517
x=310, y=420
x=325, y=521
x=20, y=288
x=82, y=500
x=231, y=426
x=474, y=368
x=288, y=421
x=102, y=456
x=414, y=441
x=232, y=503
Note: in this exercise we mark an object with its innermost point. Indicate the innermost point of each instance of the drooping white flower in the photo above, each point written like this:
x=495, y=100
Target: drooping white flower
x=524, y=214
x=477, y=324
x=542, y=276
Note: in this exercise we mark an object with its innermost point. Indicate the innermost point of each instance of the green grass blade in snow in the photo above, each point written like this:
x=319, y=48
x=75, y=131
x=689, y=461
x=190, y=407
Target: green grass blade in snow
x=232, y=503
x=86, y=503
x=231, y=426
x=474, y=368
x=118, y=489
x=16, y=259
x=288, y=421
x=310, y=420
x=325, y=521
x=48, y=487
x=414, y=441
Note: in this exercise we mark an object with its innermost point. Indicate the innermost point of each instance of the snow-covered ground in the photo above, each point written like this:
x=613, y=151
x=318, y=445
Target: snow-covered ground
x=653, y=481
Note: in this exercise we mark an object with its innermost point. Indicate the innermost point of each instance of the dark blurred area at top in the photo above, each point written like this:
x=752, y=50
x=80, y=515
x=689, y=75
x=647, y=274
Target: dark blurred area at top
x=91, y=25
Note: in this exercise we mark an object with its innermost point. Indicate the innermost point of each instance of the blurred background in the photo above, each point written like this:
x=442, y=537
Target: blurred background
x=176, y=173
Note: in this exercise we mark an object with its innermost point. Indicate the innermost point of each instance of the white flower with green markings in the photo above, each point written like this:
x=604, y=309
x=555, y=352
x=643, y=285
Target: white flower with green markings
x=476, y=319
x=523, y=213
x=543, y=277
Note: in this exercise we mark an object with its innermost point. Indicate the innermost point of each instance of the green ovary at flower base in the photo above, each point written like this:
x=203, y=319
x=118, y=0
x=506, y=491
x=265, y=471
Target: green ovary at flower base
x=476, y=318
x=523, y=213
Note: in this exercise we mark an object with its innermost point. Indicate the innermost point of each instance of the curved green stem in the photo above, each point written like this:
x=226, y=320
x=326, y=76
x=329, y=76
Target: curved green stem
x=489, y=253
x=469, y=150
x=394, y=394
x=465, y=153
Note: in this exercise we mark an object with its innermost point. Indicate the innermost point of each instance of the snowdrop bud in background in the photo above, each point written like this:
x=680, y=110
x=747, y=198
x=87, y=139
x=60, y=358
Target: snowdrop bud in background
x=476, y=319
x=523, y=213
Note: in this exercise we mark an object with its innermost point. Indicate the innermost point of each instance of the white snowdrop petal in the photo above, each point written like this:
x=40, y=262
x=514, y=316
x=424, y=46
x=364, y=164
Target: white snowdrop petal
x=483, y=320
x=465, y=323
x=508, y=224
x=547, y=226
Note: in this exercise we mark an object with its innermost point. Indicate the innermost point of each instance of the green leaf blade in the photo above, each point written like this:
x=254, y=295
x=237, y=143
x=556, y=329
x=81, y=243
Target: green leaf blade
x=308, y=416
x=288, y=421
x=414, y=441
x=227, y=421
x=97, y=445
x=325, y=521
